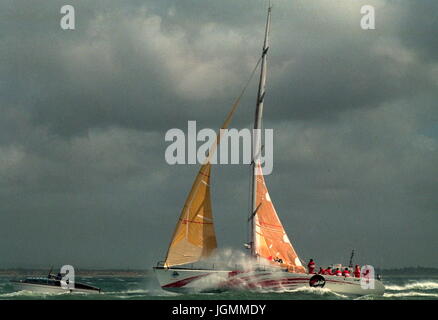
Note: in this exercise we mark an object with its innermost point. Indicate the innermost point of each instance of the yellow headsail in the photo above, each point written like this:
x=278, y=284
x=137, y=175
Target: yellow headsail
x=194, y=237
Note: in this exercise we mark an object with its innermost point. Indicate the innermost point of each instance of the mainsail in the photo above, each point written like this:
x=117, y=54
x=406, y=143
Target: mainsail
x=271, y=240
x=268, y=237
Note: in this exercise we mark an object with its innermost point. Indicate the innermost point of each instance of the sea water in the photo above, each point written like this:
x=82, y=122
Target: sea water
x=146, y=288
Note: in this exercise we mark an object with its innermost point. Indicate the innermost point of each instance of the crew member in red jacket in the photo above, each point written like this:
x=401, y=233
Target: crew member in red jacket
x=338, y=272
x=357, y=271
x=311, y=266
x=321, y=270
x=346, y=272
x=328, y=271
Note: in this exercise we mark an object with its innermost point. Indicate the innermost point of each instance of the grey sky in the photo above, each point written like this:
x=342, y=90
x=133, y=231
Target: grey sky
x=83, y=178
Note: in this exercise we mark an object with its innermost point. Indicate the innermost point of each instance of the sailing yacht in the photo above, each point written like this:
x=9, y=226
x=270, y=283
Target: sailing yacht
x=276, y=264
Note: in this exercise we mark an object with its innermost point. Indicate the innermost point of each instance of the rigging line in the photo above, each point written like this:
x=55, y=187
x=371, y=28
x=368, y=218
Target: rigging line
x=230, y=114
x=236, y=103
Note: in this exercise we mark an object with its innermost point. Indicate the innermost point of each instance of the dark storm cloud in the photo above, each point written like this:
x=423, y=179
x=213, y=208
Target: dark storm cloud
x=83, y=116
x=417, y=30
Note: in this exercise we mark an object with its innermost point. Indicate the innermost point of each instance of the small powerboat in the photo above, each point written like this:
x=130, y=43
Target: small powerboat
x=52, y=284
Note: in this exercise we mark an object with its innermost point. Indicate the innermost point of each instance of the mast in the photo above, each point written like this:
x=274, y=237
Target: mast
x=351, y=259
x=257, y=132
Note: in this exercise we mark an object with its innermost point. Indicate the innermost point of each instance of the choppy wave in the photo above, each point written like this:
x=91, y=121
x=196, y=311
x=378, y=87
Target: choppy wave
x=420, y=285
x=410, y=294
x=23, y=293
x=312, y=291
x=148, y=288
x=129, y=291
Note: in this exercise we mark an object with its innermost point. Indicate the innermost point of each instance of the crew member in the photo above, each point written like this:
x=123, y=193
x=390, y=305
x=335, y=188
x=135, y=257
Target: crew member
x=328, y=271
x=357, y=271
x=311, y=266
x=346, y=272
x=321, y=270
x=338, y=272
